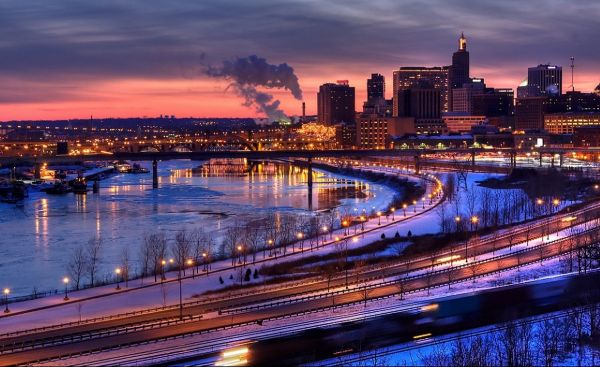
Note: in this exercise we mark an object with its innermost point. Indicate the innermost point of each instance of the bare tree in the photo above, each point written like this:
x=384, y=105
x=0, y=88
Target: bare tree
x=93, y=257
x=77, y=265
x=125, y=265
x=183, y=249
x=145, y=258
x=157, y=250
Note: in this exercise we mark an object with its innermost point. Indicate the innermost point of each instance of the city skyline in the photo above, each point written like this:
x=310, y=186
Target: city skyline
x=73, y=60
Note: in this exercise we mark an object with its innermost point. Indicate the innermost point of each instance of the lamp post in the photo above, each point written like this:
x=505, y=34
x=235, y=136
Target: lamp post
x=189, y=262
x=393, y=210
x=345, y=226
x=324, y=236
x=415, y=205
x=404, y=209
x=379, y=218
x=118, y=275
x=66, y=281
x=300, y=237
x=457, y=220
x=204, y=256
x=423, y=201
x=163, y=262
x=6, y=292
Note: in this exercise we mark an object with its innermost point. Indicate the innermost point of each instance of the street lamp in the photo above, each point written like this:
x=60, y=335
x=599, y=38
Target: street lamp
x=474, y=221
x=189, y=262
x=6, y=292
x=163, y=262
x=415, y=205
x=204, y=256
x=118, y=273
x=324, y=235
x=66, y=281
x=393, y=210
x=345, y=225
x=457, y=220
x=300, y=237
x=423, y=201
x=379, y=218
x=404, y=209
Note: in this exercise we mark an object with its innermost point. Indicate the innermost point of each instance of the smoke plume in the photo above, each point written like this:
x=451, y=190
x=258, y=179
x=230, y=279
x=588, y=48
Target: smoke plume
x=248, y=73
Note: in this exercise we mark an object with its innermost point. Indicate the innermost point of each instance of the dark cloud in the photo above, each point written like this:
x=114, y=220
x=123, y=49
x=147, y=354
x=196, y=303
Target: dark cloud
x=82, y=42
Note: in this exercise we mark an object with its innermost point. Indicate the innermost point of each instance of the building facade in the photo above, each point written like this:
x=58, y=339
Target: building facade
x=335, y=103
x=415, y=76
x=543, y=80
x=569, y=122
x=529, y=113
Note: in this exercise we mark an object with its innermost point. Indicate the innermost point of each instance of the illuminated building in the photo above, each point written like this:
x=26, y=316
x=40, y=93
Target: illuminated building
x=412, y=76
x=457, y=122
x=335, y=103
x=376, y=131
x=543, y=80
x=459, y=70
x=567, y=123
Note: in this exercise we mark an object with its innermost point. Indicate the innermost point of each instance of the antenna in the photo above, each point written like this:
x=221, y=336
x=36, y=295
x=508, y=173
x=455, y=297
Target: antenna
x=572, y=72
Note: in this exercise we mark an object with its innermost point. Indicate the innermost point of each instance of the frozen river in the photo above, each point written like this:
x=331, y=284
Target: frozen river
x=37, y=239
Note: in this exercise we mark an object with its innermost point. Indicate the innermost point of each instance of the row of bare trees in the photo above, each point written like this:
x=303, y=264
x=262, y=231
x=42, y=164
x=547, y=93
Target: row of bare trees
x=492, y=208
x=546, y=342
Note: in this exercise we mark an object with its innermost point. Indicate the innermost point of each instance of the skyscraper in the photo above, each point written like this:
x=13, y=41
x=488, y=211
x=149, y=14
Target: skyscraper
x=375, y=88
x=335, y=103
x=544, y=80
x=375, y=103
x=459, y=71
x=413, y=76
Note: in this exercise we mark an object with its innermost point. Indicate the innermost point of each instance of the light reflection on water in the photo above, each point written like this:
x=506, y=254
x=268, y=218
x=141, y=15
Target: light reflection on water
x=41, y=236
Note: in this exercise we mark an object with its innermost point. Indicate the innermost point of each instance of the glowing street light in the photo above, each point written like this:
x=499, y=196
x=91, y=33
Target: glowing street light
x=6, y=292
x=393, y=210
x=118, y=273
x=415, y=205
x=379, y=218
x=404, y=209
x=66, y=281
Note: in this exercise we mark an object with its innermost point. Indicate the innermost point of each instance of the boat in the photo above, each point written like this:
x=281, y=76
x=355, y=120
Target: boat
x=122, y=166
x=136, y=168
x=59, y=188
x=79, y=185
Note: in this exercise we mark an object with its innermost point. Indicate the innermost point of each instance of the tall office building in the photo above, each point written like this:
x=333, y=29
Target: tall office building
x=544, y=80
x=335, y=103
x=413, y=76
x=376, y=102
x=423, y=105
x=375, y=87
x=459, y=70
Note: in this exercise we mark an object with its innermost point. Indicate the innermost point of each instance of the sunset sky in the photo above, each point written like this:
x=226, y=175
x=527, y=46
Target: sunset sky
x=73, y=59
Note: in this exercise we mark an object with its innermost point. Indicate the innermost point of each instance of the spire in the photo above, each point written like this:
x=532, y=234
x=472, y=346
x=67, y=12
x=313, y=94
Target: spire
x=462, y=42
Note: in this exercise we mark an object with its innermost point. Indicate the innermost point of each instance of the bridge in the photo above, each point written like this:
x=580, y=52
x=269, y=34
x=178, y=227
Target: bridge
x=415, y=154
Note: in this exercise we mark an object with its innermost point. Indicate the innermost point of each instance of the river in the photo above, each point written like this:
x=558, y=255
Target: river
x=38, y=238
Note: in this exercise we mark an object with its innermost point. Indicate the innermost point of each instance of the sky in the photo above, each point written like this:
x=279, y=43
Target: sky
x=76, y=58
